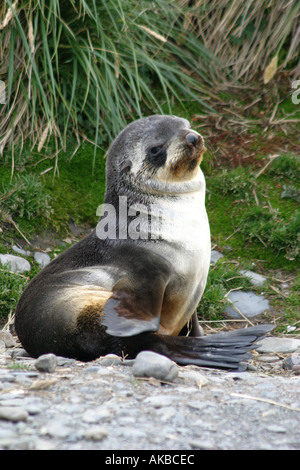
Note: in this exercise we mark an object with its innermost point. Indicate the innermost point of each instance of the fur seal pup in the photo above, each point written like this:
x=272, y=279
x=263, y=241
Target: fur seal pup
x=134, y=283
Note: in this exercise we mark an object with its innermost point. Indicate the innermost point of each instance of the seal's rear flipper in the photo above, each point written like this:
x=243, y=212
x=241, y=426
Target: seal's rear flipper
x=222, y=350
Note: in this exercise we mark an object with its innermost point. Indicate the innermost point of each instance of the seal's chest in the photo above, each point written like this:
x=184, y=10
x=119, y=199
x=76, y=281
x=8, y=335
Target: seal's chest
x=184, y=222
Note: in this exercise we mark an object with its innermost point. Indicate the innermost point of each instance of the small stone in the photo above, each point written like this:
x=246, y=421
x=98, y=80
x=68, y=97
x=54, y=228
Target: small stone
x=15, y=264
x=215, y=256
x=204, y=444
x=56, y=428
x=19, y=352
x=278, y=345
x=276, y=428
x=255, y=279
x=290, y=328
x=13, y=413
x=8, y=339
x=42, y=258
x=46, y=363
x=96, y=415
x=195, y=377
x=42, y=384
x=109, y=360
x=160, y=401
x=248, y=303
x=21, y=251
x=291, y=361
x=296, y=369
x=265, y=358
x=96, y=433
x=151, y=364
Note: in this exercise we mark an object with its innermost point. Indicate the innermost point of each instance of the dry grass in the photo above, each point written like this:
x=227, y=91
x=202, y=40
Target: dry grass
x=248, y=36
x=88, y=67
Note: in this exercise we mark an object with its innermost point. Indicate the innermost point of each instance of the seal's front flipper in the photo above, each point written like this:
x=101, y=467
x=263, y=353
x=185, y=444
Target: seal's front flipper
x=221, y=351
x=133, y=308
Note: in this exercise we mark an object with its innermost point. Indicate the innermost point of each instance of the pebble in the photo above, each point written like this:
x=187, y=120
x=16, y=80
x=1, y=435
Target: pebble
x=278, y=345
x=21, y=251
x=7, y=338
x=103, y=405
x=46, y=363
x=255, y=278
x=13, y=413
x=15, y=264
x=292, y=362
x=215, y=256
x=43, y=259
x=248, y=303
x=151, y=364
x=110, y=360
x=96, y=433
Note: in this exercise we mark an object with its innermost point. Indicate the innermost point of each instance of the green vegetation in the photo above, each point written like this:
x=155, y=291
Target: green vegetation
x=12, y=286
x=25, y=198
x=76, y=72
x=88, y=67
x=223, y=276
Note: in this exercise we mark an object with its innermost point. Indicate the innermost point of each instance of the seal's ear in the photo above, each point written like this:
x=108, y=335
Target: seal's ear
x=125, y=166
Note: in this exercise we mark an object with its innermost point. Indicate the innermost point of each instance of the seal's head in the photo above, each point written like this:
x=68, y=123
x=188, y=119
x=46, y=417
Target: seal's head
x=156, y=151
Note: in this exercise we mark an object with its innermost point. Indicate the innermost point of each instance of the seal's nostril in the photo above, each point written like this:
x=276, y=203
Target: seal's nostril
x=192, y=139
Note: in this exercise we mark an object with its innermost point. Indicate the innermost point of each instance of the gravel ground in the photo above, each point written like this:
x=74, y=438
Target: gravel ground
x=102, y=406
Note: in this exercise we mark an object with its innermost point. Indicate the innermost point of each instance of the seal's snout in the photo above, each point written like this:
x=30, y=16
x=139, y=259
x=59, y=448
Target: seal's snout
x=192, y=139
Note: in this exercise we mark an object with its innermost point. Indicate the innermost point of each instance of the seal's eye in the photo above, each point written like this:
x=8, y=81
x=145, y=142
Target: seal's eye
x=155, y=151
x=157, y=156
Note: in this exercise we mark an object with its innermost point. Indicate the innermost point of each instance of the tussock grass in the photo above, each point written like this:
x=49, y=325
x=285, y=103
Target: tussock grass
x=90, y=66
x=25, y=198
x=248, y=37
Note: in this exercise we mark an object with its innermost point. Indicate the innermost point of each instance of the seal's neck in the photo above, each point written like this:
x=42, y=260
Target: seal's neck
x=152, y=186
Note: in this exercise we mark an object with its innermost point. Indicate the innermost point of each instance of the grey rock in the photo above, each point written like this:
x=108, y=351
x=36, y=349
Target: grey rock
x=96, y=433
x=255, y=278
x=194, y=377
x=8, y=339
x=2, y=346
x=89, y=406
x=204, y=444
x=46, y=363
x=276, y=428
x=278, y=345
x=56, y=428
x=42, y=258
x=269, y=359
x=15, y=263
x=215, y=256
x=13, y=413
x=21, y=251
x=248, y=303
x=19, y=352
x=109, y=360
x=150, y=364
x=159, y=401
x=96, y=415
x=291, y=361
